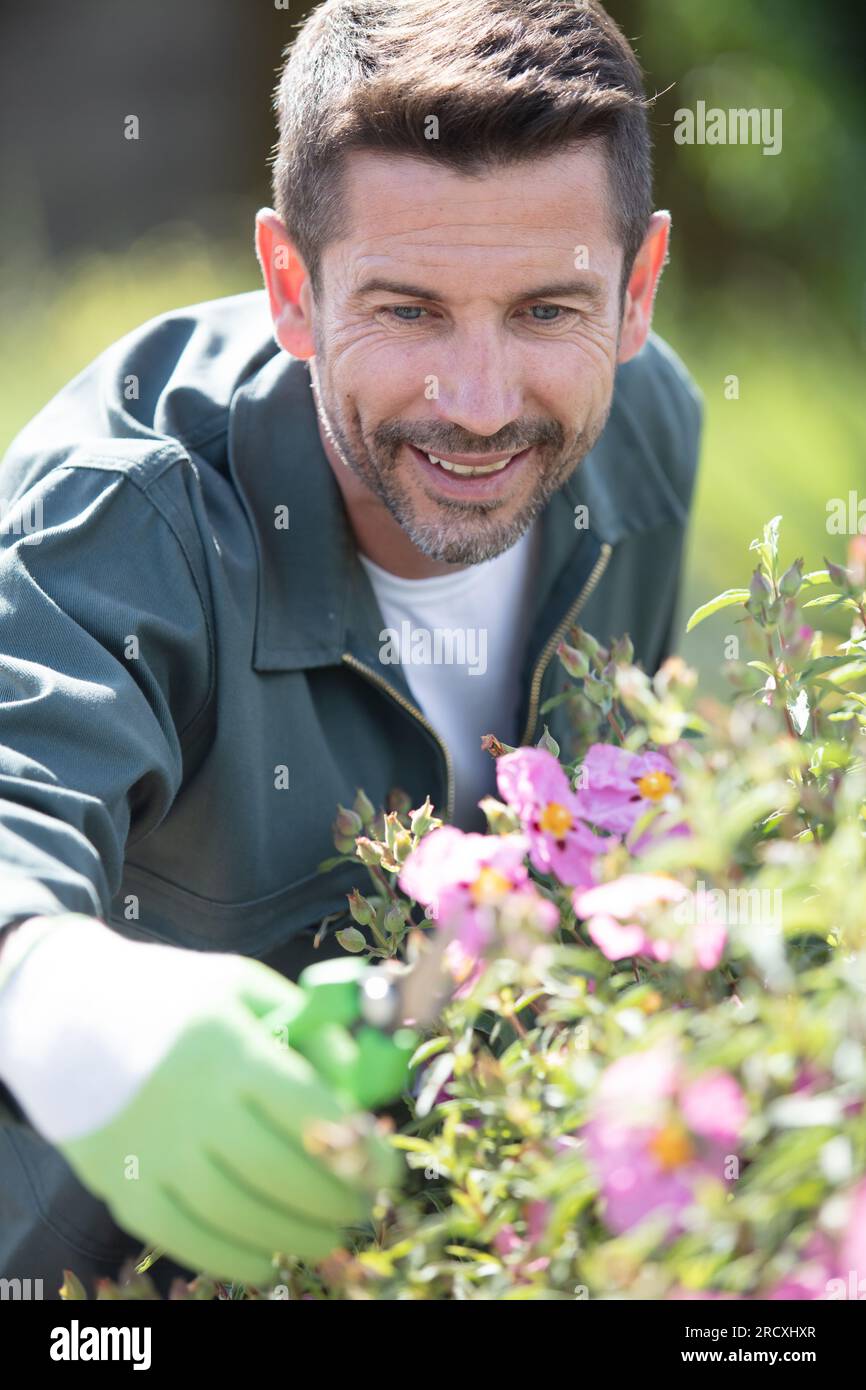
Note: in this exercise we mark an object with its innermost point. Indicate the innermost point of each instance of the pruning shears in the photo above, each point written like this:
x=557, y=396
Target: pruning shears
x=360, y=1024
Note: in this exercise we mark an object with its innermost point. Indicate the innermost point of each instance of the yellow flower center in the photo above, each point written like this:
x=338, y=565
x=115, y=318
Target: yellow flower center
x=555, y=819
x=652, y=1002
x=671, y=1147
x=488, y=886
x=654, y=785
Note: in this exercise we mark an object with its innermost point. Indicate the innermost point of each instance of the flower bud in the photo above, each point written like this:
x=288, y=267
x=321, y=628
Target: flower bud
x=394, y=922
x=392, y=829
x=491, y=744
x=399, y=801
x=368, y=851
x=574, y=661
x=622, y=650
x=597, y=691
x=351, y=940
x=634, y=690
x=792, y=579
x=548, y=743
x=363, y=806
x=759, y=588
x=759, y=594
x=674, y=676
x=360, y=908
x=838, y=574
x=501, y=820
x=345, y=828
x=588, y=647
x=422, y=819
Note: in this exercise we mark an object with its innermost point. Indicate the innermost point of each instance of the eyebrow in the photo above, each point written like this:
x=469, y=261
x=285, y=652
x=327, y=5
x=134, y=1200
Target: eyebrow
x=560, y=289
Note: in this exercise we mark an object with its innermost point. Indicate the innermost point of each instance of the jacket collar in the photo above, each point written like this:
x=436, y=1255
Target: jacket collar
x=315, y=600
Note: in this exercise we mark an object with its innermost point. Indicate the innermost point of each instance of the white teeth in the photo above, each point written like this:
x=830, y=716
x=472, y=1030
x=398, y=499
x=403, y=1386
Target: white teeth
x=464, y=468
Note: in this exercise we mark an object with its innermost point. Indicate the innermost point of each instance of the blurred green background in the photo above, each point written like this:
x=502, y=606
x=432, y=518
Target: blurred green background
x=766, y=280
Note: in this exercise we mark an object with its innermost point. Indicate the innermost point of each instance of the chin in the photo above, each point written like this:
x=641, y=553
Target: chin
x=467, y=545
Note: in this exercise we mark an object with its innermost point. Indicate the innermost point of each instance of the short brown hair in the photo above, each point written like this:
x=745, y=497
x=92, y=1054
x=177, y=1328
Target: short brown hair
x=505, y=80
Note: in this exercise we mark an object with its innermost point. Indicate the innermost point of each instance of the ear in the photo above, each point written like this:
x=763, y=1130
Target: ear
x=288, y=285
x=643, y=281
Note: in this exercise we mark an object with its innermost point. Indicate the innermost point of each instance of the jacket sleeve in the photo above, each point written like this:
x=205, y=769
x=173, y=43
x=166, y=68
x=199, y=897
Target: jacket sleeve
x=106, y=662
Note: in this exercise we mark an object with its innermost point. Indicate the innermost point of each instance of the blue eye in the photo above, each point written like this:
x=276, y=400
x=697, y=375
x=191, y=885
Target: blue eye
x=551, y=310
x=542, y=313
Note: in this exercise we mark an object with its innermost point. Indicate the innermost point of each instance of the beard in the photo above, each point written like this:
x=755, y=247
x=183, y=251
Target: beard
x=462, y=533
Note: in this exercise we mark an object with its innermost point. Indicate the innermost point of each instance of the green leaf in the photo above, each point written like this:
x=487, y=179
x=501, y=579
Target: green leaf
x=825, y=601
x=554, y=700
x=726, y=600
x=427, y=1050
x=411, y=1143
x=826, y=663
x=438, y=1074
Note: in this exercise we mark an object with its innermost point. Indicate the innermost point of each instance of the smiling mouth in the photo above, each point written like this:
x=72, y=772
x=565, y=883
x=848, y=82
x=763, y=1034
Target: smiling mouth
x=459, y=466
x=474, y=471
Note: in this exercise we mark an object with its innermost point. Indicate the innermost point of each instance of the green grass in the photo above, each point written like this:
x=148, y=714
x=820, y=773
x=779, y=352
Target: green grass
x=794, y=439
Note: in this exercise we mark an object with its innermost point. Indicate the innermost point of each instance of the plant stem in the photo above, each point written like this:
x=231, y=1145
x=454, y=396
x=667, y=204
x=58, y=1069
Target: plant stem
x=614, y=724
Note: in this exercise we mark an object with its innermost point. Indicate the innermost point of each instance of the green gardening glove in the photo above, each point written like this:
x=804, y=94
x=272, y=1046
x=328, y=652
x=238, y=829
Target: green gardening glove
x=229, y=1145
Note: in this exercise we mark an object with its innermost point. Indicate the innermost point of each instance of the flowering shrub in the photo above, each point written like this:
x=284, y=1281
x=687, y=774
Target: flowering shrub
x=649, y=1079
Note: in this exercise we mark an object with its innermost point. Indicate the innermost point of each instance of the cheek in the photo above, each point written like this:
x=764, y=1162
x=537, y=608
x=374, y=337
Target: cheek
x=368, y=364
x=576, y=383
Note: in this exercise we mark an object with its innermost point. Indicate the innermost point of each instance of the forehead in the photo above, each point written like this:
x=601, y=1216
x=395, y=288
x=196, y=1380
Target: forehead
x=402, y=210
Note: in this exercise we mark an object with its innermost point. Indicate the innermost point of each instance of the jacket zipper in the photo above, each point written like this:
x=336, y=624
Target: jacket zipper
x=413, y=710
x=553, y=641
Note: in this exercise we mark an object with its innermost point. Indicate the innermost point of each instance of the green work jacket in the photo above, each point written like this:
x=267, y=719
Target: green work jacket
x=190, y=678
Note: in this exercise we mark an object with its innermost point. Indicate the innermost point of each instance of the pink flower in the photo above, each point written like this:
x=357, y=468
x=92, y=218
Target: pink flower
x=537, y=1215
x=621, y=786
x=517, y=1251
x=459, y=877
x=714, y=1106
x=474, y=885
x=832, y=1270
x=507, y=1241
x=653, y=1136
x=534, y=785
x=619, y=915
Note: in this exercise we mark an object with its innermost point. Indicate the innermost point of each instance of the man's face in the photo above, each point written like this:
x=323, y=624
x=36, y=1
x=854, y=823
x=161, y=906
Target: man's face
x=473, y=319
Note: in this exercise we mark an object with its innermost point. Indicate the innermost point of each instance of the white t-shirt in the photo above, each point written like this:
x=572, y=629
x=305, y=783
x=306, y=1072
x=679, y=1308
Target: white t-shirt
x=460, y=639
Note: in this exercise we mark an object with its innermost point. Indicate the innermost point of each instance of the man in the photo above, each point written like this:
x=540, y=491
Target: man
x=454, y=422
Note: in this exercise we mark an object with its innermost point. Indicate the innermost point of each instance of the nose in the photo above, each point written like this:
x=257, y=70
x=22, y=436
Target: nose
x=478, y=388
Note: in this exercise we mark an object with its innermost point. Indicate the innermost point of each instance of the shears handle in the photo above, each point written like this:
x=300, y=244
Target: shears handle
x=347, y=1028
